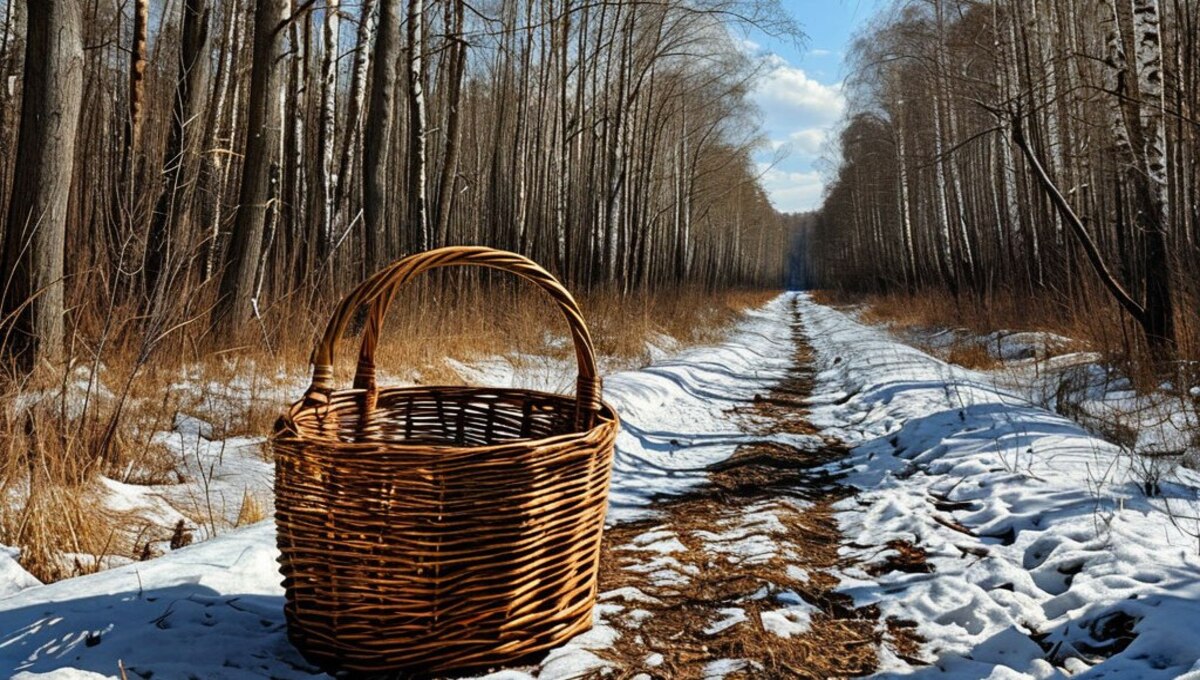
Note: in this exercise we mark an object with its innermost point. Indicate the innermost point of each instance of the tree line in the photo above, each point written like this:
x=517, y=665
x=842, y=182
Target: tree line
x=212, y=162
x=1043, y=149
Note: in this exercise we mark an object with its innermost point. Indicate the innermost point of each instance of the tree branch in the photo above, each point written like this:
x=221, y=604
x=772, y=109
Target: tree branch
x=1068, y=214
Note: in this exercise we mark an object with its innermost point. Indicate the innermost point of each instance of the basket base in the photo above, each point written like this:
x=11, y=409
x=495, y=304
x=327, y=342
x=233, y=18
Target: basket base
x=338, y=668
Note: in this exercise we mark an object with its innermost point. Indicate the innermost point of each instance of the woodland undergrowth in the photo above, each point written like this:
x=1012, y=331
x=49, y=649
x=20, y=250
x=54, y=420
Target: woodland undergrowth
x=65, y=429
x=1090, y=341
x=1095, y=326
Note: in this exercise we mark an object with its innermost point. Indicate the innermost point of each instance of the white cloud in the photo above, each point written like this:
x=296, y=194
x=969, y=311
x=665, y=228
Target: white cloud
x=803, y=145
x=791, y=100
x=799, y=115
x=819, y=53
x=808, y=141
x=749, y=47
x=792, y=191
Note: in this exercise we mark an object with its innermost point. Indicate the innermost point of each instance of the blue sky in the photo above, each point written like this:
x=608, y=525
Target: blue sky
x=800, y=94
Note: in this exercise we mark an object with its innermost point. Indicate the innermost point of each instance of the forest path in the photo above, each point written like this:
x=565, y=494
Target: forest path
x=737, y=578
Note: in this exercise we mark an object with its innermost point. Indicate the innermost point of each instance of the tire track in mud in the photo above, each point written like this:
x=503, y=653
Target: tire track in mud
x=737, y=579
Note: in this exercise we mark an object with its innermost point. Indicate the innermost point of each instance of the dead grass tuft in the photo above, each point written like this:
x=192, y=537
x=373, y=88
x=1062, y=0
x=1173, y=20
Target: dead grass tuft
x=969, y=353
x=903, y=556
x=252, y=510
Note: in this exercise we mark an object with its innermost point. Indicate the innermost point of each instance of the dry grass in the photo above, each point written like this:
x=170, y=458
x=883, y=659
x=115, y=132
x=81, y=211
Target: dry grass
x=971, y=354
x=1094, y=326
x=916, y=314
x=61, y=429
x=937, y=309
x=252, y=510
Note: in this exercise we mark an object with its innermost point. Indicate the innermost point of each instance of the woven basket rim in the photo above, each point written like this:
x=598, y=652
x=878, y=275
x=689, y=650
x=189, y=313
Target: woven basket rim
x=287, y=429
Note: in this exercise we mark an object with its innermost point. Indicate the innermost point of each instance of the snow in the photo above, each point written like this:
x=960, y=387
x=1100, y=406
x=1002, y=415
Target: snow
x=1047, y=557
x=628, y=594
x=722, y=667
x=214, y=609
x=730, y=617
x=788, y=621
x=748, y=538
x=12, y=577
x=1061, y=545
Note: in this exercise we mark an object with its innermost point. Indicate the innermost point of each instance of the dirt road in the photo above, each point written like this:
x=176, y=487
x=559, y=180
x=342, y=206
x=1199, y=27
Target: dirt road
x=737, y=578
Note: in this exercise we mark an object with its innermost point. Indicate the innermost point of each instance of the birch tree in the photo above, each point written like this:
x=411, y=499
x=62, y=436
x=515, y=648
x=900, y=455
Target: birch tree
x=327, y=176
x=418, y=166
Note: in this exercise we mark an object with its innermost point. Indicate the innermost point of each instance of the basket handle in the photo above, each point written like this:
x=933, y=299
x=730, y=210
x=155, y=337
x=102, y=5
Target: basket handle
x=380, y=289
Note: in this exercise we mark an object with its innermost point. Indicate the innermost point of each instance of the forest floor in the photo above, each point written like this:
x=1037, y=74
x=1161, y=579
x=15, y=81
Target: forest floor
x=809, y=498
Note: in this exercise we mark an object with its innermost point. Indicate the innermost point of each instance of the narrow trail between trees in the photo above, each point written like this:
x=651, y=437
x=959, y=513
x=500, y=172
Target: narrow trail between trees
x=745, y=542
x=737, y=578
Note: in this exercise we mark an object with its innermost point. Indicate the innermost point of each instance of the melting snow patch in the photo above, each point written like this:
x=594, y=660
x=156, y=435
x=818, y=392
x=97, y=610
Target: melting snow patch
x=714, y=670
x=665, y=571
x=733, y=616
x=788, y=621
x=796, y=574
x=660, y=541
x=629, y=594
x=567, y=663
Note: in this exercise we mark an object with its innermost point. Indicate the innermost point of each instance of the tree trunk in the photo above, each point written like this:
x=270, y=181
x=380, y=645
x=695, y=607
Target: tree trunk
x=32, y=310
x=456, y=67
x=354, y=110
x=217, y=162
x=181, y=162
x=261, y=174
x=137, y=78
x=327, y=176
x=378, y=146
x=417, y=162
x=1160, y=313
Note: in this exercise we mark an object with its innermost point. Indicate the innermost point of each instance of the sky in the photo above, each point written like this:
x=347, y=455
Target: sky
x=801, y=98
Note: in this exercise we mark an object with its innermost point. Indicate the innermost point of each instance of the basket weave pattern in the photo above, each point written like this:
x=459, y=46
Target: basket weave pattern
x=424, y=529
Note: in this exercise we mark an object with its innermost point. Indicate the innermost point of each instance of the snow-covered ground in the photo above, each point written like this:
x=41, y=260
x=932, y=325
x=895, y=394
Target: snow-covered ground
x=1050, y=371
x=214, y=609
x=1048, y=558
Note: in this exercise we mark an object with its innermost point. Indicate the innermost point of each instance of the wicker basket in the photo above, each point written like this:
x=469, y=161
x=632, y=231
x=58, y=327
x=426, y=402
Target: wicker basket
x=426, y=529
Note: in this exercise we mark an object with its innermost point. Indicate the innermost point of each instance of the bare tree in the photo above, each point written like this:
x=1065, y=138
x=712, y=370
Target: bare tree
x=380, y=116
x=354, y=107
x=32, y=311
x=456, y=67
x=418, y=219
x=1095, y=95
x=327, y=176
x=262, y=170
x=181, y=161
